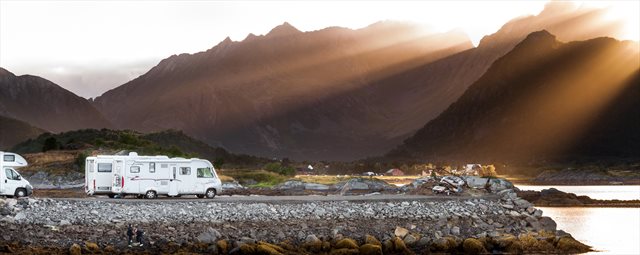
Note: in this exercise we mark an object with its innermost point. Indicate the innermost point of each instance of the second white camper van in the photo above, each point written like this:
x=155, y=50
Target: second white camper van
x=150, y=176
x=11, y=182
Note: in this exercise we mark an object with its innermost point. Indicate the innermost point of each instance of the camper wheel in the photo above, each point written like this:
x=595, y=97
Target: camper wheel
x=150, y=194
x=111, y=195
x=21, y=193
x=211, y=193
x=200, y=196
x=139, y=196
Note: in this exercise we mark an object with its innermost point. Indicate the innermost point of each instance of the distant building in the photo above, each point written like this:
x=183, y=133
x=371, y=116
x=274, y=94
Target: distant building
x=472, y=169
x=394, y=172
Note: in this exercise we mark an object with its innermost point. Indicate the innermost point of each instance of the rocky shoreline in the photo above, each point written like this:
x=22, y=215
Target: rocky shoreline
x=496, y=224
x=557, y=198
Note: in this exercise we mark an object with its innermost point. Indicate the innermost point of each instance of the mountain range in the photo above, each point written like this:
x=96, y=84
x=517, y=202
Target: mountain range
x=543, y=101
x=330, y=94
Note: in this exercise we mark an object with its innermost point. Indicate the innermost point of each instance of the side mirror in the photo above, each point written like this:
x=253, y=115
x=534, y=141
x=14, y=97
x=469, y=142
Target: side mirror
x=19, y=177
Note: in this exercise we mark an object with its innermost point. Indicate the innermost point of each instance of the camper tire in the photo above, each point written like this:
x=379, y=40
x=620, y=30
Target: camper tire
x=200, y=196
x=150, y=194
x=21, y=193
x=111, y=195
x=211, y=193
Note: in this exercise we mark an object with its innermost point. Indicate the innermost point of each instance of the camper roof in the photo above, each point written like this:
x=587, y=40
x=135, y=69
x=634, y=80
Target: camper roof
x=12, y=159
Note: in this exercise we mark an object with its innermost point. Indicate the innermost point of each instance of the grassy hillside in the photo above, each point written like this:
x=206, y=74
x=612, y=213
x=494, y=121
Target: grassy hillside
x=171, y=143
x=13, y=131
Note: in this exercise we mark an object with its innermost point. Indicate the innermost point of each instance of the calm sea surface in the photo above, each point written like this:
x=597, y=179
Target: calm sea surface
x=620, y=192
x=607, y=230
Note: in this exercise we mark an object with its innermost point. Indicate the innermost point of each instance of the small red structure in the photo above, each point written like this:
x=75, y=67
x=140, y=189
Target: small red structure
x=394, y=172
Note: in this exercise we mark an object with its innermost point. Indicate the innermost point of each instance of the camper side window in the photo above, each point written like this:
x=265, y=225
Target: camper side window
x=9, y=158
x=104, y=167
x=11, y=175
x=185, y=170
x=205, y=173
x=152, y=167
x=134, y=169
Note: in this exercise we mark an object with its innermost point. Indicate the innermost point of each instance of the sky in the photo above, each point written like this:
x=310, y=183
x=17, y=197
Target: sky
x=89, y=47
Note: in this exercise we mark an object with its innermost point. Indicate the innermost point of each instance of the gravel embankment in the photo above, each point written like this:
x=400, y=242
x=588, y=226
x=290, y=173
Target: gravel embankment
x=476, y=224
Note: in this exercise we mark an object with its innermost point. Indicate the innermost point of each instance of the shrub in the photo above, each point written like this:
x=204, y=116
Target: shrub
x=50, y=143
x=276, y=167
x=81, y=159
x=488, y=171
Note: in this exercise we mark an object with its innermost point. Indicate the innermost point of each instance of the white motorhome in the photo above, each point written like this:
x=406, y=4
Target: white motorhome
x=11, y=182
x=150, y=176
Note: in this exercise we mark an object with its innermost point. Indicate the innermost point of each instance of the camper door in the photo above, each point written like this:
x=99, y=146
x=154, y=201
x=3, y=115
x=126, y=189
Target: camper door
x=103, y=177
x=186, y=179
x=89, y=174
x=173, y=182
x=11, y=180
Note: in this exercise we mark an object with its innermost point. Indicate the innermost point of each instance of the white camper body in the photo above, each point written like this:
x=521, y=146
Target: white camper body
x=11, y=182
x=150, y=176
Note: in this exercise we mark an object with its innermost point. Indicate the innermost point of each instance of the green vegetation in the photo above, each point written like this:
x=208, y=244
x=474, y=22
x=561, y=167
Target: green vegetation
x=256, y=178
x=81, y=159
x=279, y=168
x=171, y=143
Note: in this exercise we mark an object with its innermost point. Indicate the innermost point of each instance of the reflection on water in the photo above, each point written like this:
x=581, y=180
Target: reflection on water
x=609, y=230
x=620, y=192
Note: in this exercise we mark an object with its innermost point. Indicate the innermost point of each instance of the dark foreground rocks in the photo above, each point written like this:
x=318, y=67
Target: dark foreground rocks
x=497, y=224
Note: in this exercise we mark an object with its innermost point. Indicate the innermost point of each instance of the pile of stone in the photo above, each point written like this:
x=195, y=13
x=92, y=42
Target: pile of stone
x=503, y=223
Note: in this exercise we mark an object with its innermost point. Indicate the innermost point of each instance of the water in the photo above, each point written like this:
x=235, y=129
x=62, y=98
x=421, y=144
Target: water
x=607, y=230
x=607, y=192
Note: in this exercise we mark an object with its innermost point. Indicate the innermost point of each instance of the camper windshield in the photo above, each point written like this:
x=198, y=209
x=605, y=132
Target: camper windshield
x=205, y=173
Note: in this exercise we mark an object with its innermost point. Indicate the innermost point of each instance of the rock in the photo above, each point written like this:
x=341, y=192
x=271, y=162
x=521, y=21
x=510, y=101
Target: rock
x=455, y=231
x=20, y=216
x=533, y=222
x=444, y=244
x=410, y=240
x=346, y=243
x=369, y=239
x=268, y=249
x=94, y=212
x=531, y=210
x=398, y=244
x=547, y=224
x=75, y=249
x=92, y=247
x=315, y=186
x=64, y=222
x=370, y=249
x=473, y=246
x=345, y=251
x=209, y=236
x=424, y=241
x=223, y=246
x=537, y=213
x=521, y=203
x=247, y=248
x=507, y=206
x=312, y=244
x=311, y=239
x=401, y=232
x=569, y=245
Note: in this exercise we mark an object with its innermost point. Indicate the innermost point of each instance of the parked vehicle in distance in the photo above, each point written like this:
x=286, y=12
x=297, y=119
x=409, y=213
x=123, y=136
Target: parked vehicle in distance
x=150, y=176
x=11, y=182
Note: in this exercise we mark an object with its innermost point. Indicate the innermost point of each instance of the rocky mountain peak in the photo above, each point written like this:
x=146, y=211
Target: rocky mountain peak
x=285, y=29
x=5, y=72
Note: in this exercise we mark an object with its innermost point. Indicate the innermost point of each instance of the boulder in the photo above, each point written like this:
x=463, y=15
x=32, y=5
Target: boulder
x=346, y=243
x=344, y=251
x=473, y=246
x=209, y=236
x=370, y=249
x=401, y=232
x=315, y=186
x=268, y=249
x=410, y=240
x=369, y=239
x=569, y=245
x=75, y=249
x=92, y=247
x=547, y=224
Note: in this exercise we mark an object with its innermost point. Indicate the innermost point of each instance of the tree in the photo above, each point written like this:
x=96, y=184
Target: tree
x=50, y=143
x=218, y=163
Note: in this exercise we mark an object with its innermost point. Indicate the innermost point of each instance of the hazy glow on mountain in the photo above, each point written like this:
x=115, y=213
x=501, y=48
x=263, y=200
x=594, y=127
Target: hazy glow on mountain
x=90, y=47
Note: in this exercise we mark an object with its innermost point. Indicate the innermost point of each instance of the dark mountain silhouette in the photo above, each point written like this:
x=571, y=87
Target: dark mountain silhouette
x=544, y=100
x=44, y=104
x=287, y=93
x=13, y=131
x=329, y=94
